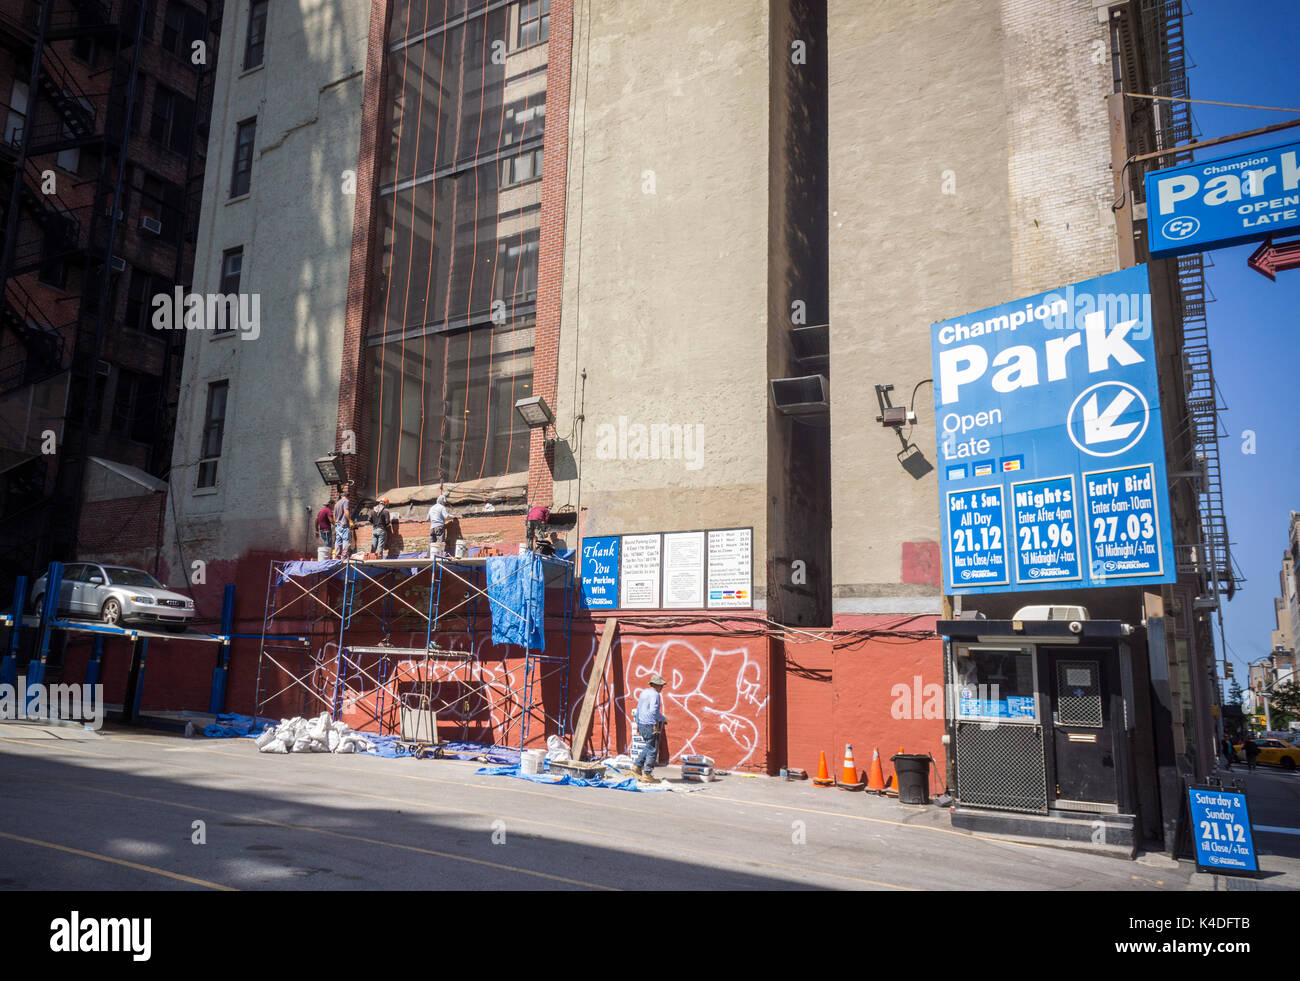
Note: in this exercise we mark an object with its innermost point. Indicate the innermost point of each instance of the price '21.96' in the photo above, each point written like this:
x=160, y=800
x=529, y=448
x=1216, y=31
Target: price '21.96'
x=990, y=539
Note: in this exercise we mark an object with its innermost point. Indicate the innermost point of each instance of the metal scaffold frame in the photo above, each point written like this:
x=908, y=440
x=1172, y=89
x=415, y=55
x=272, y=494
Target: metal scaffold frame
x=352, y=609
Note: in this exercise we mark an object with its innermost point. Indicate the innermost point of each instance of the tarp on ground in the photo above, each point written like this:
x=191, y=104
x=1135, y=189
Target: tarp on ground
x=563, y=779
x=517, y=595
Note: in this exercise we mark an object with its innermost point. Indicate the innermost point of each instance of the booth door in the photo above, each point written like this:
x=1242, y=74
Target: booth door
x=1083, y=738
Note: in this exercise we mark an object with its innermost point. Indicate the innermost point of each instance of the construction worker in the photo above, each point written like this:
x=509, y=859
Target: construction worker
x=650, y=722
x=438, y=518
x=325, y=525
x=538, y=515
x=380, y=520
x=343, y=524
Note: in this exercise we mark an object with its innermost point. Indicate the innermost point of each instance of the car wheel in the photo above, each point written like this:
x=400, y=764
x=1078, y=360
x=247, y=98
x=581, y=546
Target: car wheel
x=1288, y=763
x=36, y=602
x=112, y=613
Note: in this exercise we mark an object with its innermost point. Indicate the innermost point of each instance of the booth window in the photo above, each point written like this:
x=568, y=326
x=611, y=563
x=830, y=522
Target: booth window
x=996, y=685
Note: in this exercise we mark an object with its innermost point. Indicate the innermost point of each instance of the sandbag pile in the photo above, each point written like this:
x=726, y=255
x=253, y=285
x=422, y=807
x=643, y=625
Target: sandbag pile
x=319, y=735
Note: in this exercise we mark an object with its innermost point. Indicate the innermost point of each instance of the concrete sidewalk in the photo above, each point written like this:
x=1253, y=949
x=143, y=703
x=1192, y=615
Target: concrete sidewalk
x=129, y=812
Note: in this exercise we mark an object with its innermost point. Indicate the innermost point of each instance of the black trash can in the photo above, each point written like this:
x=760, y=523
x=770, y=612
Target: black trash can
x=913, y=773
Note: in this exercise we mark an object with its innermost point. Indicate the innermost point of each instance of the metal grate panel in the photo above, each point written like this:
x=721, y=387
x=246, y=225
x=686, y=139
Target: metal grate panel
x=1001, y=766
x=1078, y=694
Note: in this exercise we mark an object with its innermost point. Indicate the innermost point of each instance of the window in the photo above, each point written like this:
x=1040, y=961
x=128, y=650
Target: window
x=143, y=288
x=516, y=278
x=164, y=202
x=241, y=174
x=182, y=26
x=996, y=685
x=534, y=22
x=523, y=122
x=255, y=46
x=521, y=169
x=172, y=123
x=232, y=266
x=134, y=406
x=214, y=424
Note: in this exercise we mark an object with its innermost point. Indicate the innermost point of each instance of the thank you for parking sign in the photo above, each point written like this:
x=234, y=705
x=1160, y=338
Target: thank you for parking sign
x=1051, y=452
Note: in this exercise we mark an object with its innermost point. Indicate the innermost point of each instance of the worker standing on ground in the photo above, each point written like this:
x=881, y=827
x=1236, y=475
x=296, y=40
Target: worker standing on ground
x=650, y=722
x=343, y=524
x=380, y=520
x=538, y=515
x=325, y=525
x=438, y=518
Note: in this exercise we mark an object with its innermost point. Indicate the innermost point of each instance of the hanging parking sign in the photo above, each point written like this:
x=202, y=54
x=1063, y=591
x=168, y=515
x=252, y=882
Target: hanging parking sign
x=1213, y=203
x=1051, y=453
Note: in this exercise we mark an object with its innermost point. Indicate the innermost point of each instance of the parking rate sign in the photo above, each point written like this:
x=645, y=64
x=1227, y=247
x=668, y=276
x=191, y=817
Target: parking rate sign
x=1051, y=450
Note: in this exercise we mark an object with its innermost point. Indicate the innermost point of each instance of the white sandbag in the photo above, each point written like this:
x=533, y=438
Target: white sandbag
x=334, y=740
x=266, y=738
x=274, y=746
x=557, y=750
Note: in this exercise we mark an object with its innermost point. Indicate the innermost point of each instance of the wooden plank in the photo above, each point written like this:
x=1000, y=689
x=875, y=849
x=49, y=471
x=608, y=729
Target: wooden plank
x=583, y=728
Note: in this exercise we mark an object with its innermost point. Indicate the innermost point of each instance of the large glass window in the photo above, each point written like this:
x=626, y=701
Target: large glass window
x=454, y=281
x=995, y=684
x=241, y=172
x=255, y=44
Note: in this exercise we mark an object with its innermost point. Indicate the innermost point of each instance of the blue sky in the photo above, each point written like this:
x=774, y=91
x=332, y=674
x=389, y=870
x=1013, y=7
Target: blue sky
x=1249, y=53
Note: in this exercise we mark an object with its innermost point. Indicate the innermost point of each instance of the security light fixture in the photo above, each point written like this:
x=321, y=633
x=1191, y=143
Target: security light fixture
x=329, y=468
x=535, y=412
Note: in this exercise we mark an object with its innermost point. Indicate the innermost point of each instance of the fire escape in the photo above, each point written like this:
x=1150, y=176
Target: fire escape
x=1209, y=556
x=48, y=241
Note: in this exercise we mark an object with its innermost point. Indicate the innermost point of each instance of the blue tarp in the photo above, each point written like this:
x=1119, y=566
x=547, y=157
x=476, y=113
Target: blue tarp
x=622, y=783
x=305, y=568
x=230, y=725
x=517, y=595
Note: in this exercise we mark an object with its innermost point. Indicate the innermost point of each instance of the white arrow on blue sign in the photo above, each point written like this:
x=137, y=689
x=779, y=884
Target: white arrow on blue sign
x=1051, y=455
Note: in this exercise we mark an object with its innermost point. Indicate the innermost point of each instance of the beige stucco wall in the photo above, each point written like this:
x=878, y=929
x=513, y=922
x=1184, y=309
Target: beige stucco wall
x=665, y=296
x=1002, y=106
x=295, y=227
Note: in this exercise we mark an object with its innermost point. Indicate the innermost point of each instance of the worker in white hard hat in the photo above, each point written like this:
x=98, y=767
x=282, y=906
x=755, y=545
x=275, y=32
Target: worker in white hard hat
x=650, y=722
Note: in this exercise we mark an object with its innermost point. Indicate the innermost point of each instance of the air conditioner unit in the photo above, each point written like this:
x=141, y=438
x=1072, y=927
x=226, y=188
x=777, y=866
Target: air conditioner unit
x=151, y=225
x=103, y=368
x=806, y=396
x=117, y=264
x=108, y=213
x=1051, y=613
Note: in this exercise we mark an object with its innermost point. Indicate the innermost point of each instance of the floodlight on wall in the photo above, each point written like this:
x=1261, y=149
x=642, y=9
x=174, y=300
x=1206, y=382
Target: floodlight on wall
x=535, y=413
x=329, y=468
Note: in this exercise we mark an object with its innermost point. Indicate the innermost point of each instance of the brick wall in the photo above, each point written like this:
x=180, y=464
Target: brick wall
x=550, y=254
x=124, y=530
x=352, y=378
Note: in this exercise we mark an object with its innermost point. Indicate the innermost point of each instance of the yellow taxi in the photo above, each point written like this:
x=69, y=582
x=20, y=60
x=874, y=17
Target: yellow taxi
x=1277, y=752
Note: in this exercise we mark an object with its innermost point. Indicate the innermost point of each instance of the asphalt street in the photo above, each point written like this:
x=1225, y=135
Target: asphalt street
x=128, y=809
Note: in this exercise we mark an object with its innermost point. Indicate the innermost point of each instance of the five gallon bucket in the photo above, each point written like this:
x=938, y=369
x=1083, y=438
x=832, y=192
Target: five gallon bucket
x=531, y=760
x=462, y=549
x=322, y=553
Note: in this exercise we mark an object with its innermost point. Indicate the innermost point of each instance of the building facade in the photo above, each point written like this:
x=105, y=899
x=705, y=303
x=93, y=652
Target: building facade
x=683, y=226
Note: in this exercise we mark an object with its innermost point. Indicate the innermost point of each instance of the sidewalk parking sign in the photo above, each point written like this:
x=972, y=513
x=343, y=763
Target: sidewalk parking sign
x=1220, y=827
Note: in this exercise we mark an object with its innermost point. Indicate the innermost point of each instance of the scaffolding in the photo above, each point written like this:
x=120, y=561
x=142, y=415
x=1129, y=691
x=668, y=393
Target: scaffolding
x=382, y=633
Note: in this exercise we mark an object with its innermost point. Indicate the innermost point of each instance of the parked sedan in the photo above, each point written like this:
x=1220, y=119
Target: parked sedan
x=116, y=595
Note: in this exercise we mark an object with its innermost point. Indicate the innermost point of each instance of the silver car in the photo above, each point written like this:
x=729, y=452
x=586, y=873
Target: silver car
x=116, y=595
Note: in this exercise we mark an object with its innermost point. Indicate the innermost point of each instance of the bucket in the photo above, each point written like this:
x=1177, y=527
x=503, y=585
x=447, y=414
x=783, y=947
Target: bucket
x=323, y=553
x=913, y=771
x=523, y=548
x=531, y=760
x=462, y=549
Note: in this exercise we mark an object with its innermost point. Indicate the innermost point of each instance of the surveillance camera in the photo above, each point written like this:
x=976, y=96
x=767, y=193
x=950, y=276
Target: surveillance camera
x=1076, y=627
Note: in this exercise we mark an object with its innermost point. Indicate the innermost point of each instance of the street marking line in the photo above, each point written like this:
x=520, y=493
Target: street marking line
x=1275, y=829
x=638, y=842
x=120, y=861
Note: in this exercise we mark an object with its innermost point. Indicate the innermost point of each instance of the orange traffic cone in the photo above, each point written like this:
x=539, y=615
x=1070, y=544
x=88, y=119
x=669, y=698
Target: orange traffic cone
x=823, y=778
x=876, y=780
x=892, y=789
x=849, y=775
